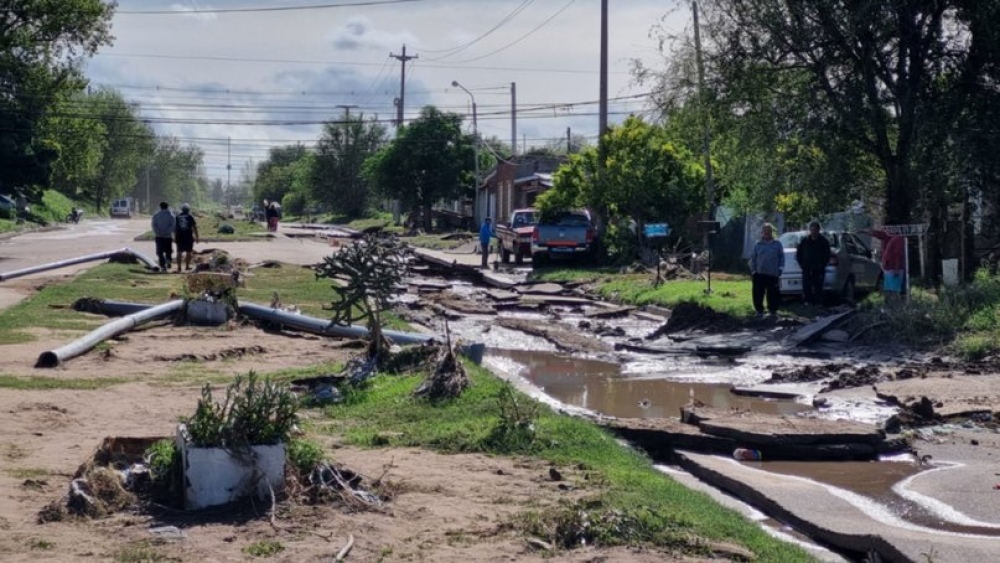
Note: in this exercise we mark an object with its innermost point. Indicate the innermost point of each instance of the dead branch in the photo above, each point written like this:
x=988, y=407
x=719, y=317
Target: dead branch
x=342, y=554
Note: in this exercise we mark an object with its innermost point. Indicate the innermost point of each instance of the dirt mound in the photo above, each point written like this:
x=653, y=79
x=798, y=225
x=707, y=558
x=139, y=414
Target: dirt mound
x=686, y=317
x=865, y=375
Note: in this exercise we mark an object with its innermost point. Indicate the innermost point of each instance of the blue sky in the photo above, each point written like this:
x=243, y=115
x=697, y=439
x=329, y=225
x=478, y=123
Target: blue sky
x=265, y=78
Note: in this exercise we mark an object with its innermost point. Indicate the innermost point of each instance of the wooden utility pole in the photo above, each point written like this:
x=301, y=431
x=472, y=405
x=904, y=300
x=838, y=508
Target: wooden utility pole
x=347, y=110
x=602, y=125
x=707, y=132
x=404, y=58
x=513, y=118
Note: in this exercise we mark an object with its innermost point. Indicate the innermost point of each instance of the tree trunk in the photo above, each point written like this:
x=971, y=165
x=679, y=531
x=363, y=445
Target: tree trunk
x=428, y=217
x=899, y=194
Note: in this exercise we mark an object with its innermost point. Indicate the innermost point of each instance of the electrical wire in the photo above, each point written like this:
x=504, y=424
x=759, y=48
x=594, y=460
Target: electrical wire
x=262, y=9
x=521, y=38
x=507, y=19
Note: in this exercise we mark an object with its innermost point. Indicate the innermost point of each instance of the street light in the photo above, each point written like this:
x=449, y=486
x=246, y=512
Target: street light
x=475, y=134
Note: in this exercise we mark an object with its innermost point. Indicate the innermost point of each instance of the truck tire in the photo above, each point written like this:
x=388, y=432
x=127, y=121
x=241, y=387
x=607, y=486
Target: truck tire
x=504, y=254
x=518, y=257
x=538, y=259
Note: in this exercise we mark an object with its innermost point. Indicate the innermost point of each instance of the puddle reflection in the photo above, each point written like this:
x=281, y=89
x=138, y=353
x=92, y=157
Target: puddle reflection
x=600, y=386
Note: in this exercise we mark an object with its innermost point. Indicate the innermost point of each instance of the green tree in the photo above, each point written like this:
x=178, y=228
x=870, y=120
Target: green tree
x=648, y=177
x=428, y=161
x=42, y=43
x=275, y=175
x=869, y=74
x=128, y=144
x=337, y=179
x=79, y=139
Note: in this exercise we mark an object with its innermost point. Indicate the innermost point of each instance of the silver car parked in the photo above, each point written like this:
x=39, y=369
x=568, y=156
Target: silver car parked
x=852, y=266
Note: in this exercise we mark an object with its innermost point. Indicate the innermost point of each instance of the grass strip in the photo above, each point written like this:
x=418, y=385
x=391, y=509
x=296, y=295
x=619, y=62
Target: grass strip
x=660, y=511
x=47, y=383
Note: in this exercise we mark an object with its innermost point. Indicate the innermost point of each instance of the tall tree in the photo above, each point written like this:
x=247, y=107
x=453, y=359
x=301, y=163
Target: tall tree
x=41, y=45
x=337, y=181
x=871, y=72
x=429, y=160
x=129, y=142
x=275, y=175
x=648, y=177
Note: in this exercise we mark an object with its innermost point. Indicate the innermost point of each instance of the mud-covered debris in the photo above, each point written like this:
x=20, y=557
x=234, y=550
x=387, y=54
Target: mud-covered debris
x=692, y=316
x=805, y=374
x=865, y=375
x=914, y=414
x=418, y=358
x=447, y=381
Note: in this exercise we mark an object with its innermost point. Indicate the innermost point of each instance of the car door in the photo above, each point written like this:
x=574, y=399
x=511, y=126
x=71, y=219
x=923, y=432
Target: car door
x=863, y=266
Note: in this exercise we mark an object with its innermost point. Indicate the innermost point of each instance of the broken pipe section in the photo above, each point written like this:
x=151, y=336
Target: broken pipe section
x=53, y=358
x=79, y=260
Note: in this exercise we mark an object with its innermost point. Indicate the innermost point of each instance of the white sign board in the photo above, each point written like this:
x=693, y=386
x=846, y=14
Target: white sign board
x=915, y=230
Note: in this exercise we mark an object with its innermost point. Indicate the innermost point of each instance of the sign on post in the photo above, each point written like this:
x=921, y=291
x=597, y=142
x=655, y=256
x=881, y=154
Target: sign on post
x=915, y=230
x=656, y=230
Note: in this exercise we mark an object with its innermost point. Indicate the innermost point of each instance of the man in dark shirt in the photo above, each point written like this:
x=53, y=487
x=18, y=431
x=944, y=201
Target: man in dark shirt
x=813, y=254
x=185, y=235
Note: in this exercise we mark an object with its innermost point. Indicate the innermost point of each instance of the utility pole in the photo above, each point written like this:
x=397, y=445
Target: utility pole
x=475, y=135
x=404, y=58
x=513, y=118
x=569, y=141
x=229, y=170
x=602, y=125
x=707, y=134
x=347, y=110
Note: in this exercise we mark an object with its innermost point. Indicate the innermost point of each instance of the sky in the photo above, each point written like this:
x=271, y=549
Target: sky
x=255, y=74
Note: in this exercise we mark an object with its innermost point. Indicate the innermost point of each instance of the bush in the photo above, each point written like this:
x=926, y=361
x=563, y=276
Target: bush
x=254, y=413
x=305, y=455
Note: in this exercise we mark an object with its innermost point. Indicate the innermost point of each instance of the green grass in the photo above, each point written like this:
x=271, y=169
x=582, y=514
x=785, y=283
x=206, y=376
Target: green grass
x=732, y=297
x=208, y=229
x=264, y=548
x=51, y=309
x=27, y=473
x=383, y=220
x=623, y=480
x=44, y=383
x=437, y=241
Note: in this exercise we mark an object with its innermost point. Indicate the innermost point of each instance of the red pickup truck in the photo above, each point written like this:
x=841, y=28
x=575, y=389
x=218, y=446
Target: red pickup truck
x=514, y=237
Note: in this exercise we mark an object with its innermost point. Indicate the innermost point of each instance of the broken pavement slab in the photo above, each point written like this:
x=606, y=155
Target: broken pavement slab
x=957, y=394
x=814, y=330
x=608, y=313
x=563, y=337
x=541, y=289
x=756, y=429
x=846, y=521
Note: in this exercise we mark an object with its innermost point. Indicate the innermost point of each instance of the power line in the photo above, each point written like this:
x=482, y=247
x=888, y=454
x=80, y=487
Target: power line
x=260, y=9
x=521, y=38
x=458, y=65
x=507, y=19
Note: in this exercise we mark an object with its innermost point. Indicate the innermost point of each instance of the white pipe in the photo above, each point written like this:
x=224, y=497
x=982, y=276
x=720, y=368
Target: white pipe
x=78, y=260
x=53, y=358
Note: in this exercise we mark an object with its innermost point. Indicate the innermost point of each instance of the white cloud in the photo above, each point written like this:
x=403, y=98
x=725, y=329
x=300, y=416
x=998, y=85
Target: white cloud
x=193, y=10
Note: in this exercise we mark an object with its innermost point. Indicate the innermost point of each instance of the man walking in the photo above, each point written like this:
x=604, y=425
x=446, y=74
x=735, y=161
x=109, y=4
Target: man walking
x=163, y=231
x=186, y=234
x=485, y=234
x=813, y=254
x=767, y=261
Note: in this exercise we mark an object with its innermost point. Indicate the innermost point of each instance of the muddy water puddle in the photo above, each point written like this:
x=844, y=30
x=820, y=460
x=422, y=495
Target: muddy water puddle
x=600, y=386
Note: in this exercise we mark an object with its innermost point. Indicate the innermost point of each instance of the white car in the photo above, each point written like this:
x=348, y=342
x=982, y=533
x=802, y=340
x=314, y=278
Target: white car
x=121, y=208
x=852, y=266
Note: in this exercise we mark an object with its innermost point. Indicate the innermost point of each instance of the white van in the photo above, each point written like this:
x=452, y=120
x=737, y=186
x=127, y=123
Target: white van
x=121, y=208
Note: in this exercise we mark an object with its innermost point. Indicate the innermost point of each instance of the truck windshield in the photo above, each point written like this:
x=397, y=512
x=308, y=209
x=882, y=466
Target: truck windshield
x=524, y=218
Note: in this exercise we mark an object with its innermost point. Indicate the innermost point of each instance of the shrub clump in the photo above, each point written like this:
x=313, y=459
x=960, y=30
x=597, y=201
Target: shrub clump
x=254, y=413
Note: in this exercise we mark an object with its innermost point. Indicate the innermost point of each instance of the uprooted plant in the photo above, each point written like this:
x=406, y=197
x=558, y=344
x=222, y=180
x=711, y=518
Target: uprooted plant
x=254, y=413
x=449, y=377
x=366, y=276
x=515, y=429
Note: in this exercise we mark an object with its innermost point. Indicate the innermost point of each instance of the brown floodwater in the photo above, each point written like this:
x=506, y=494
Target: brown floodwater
x=600, y=386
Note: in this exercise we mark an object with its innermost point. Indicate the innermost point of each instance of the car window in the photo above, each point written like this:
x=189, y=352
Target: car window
x=863, y=249
x=849, y=243
x=791, y=240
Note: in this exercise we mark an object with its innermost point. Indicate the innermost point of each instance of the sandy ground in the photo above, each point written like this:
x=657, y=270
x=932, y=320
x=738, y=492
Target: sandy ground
x=447, y=508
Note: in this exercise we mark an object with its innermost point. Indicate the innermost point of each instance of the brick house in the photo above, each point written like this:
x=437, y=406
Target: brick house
x=514, y=185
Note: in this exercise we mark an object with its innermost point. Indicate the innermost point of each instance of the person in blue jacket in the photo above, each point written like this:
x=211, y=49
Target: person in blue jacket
x=485, y=234
x=767, y=262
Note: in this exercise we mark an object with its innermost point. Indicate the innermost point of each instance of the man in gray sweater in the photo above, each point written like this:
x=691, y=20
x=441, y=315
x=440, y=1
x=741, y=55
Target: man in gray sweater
x=767, y=261
x=163, y=231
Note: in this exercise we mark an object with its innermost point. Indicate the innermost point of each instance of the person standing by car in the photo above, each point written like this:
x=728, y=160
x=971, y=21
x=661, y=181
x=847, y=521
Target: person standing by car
x=767, y=261
x=163, y=230
x=485, y=234
x=271, y=214
x=185, y=234
x=813, y=254
x=893, y=262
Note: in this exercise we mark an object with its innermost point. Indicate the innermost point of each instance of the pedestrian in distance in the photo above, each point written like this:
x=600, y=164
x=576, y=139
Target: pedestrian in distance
x=813, y=254
x=164, y=225
x=767, y=262
x=271, y=214
x=485, y=234
x=185, y=234
x=893, y=263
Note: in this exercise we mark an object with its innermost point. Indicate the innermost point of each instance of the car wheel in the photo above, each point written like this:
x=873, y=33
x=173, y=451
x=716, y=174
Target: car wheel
x=504, y=254
x=878, y=283
x=849, y=293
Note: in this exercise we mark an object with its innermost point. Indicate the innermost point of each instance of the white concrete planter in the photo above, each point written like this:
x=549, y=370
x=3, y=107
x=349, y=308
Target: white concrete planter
x=216, y=476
